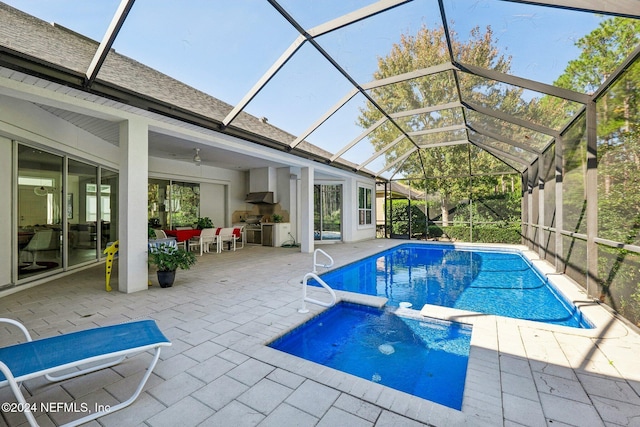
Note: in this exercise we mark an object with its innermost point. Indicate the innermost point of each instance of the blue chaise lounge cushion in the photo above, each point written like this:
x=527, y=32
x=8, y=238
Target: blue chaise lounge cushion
x=69, y=349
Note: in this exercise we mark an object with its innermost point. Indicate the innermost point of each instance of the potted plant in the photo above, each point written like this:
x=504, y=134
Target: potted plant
x=168, y=259
x=204, y=223
x=277, y=218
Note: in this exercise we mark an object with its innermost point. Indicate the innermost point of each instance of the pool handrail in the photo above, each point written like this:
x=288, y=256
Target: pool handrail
x=315, y=260
x=305, y=298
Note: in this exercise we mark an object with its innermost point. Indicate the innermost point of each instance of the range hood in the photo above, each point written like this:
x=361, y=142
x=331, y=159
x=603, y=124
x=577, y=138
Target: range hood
x=260, y=198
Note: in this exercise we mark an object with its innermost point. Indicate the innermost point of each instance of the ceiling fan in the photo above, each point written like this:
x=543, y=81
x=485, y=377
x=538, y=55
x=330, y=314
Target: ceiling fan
x=194, y=158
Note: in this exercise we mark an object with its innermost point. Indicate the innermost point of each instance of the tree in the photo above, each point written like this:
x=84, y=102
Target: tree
x=602, y=51
x=428, y=48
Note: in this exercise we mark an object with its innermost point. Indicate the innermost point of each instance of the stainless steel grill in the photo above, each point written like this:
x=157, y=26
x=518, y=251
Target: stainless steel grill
x=253, y=228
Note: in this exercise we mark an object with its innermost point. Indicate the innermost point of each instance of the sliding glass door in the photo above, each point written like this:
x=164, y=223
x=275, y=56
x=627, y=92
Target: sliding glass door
x=327, y=224
x=40, y=212
x=65, y=218
x=81, y=212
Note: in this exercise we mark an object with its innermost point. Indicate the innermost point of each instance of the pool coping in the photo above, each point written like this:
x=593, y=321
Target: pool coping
x=483, y=393
x=606, y=324
x=478, y=408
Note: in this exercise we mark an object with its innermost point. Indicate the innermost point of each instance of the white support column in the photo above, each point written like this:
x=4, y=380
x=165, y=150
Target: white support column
x=306, y=210
x=132, y=214
x=294, y=197
x=349, y=198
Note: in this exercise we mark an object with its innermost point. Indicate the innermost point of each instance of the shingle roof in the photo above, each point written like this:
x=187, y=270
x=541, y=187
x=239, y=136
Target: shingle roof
x=398, y=189
x=58, y=46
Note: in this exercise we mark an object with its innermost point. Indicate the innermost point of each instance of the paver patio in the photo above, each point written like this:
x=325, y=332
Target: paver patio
x=220, y=314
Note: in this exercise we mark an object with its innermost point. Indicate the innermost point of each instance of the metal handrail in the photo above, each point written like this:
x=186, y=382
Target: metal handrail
x=305, y=298
x=315, y=262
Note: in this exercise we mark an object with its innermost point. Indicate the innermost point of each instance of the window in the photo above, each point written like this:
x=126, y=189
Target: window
x=91, y=205
x=364, y=206
x=172, y=203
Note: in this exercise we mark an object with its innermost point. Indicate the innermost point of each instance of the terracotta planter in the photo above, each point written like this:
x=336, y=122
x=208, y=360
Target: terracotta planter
x=166, y=278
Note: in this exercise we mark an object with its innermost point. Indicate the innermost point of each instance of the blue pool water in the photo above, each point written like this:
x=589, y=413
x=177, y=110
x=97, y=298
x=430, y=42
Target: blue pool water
x=485, y=281
x=425, y=358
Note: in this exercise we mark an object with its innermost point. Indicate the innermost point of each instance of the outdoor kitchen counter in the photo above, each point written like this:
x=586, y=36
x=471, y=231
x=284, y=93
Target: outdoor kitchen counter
x=275, y=233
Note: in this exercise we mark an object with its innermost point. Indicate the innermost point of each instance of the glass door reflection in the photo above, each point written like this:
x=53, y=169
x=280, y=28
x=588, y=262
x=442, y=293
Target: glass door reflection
x=40, y=211
x=81, y=212
x=108, y=209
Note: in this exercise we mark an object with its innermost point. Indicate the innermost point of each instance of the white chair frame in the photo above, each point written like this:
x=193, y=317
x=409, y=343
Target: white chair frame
x=207, y=237
x=226, y=235
x=49, y=368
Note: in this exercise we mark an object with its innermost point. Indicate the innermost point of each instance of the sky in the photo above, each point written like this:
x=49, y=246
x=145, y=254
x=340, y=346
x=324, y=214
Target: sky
x=224, y=47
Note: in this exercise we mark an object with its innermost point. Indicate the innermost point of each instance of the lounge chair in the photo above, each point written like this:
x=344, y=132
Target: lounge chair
x=101, y=347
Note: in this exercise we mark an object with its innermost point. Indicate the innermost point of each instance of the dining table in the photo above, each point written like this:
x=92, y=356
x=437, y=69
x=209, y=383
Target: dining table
x=183, y=235
x=158, y=243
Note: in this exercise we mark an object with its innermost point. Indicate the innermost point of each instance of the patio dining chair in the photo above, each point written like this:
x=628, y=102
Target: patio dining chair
x=207, y=237
x=241, y=236
x=160, y=234
x=227, y=235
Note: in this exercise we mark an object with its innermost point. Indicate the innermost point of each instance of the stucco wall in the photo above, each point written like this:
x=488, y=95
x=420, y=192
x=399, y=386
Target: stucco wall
x=222, y=190
x=354, y=232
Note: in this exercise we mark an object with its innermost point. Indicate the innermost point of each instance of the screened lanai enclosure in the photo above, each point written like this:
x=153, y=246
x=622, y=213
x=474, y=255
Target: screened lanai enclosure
x=514, y=121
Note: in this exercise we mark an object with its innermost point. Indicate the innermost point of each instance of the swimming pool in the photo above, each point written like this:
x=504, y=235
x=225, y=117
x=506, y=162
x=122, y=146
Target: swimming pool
x=426, y=358
x=482, y=280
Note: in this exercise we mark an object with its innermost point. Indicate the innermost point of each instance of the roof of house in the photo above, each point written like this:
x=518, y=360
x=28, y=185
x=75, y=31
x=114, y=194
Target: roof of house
x=399, y=190
x=55, y=46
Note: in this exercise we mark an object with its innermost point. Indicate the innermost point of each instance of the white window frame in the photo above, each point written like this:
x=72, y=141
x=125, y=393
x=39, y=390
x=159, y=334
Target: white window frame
x=363, y=210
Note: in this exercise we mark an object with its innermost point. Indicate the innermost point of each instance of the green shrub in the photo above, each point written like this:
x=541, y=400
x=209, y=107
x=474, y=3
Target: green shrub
x=481, y=233
x=169, y=258
x=510, y=233
x=457, y=232
x=204, y=223
x=400, y=218
x=435, y=231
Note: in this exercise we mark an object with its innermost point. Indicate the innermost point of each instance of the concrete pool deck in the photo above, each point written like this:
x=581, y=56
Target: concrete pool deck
x=220, y=314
